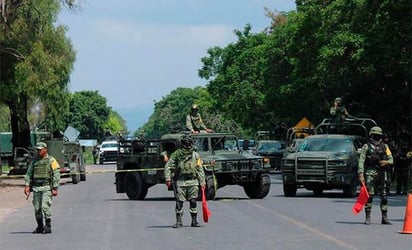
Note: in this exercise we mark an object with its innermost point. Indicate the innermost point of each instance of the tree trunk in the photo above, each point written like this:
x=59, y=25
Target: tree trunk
x=19, y=123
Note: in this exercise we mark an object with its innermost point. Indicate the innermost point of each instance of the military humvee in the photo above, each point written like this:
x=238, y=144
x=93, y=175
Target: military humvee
x=140, y=165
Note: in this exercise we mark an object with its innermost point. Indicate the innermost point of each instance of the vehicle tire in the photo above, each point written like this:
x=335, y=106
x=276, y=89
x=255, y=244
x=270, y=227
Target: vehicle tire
x=75, y=178
x=83, y=176
x=134, y=186
x=289, y=190
x=211, y=187
x=259, y=189
x=75, y=172
x=82, y=171
x=317, y=191
x=350, y=190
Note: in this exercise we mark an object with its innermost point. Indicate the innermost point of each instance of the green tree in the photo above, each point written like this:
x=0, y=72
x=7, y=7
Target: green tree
x=35, y=63
x=89, y=114
x=116, y=123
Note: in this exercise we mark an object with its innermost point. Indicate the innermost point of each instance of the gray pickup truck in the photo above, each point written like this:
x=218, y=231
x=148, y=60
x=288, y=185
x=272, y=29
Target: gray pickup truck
x=327, y=160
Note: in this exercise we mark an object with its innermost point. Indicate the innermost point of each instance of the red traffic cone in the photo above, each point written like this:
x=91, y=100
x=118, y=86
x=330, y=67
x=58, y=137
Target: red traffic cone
x=407, y=225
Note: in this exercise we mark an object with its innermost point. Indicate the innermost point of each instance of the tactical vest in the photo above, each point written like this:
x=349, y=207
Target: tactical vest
x=42, y=169
x=375, y=154
x=187, y=166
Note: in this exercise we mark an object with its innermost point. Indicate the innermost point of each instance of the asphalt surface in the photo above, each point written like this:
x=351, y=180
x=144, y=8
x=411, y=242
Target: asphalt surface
x=91, y=215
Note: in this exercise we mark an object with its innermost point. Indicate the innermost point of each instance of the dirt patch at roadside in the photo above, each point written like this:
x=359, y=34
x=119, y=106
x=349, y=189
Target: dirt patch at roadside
x=12, y=197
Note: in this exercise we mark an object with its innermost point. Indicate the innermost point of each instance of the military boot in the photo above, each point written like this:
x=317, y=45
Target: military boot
x=385, y=220
x=194, y=221
x=178, y=221
x=40, y=228
x=47, y=227
x=367, y=217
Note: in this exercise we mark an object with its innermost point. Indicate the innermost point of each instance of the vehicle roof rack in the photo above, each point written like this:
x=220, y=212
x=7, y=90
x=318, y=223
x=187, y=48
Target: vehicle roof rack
x=349, y=126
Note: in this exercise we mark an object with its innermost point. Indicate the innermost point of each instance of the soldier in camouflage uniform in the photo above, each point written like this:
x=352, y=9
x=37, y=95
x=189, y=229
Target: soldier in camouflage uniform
x=42, y=178
x=188, y=174
x=374, y=158
x=194, y=122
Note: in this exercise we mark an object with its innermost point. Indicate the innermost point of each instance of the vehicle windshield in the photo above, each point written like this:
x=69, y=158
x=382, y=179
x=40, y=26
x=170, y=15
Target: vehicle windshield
x=269, y=146
x=327, y=144
x=217, y=143
x=110, y=145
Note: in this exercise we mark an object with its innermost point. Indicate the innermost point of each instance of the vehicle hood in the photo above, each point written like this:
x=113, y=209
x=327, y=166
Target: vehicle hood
x=322, y=154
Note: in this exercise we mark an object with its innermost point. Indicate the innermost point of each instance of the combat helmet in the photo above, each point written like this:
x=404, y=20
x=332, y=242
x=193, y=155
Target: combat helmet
x=375, y=130
x=186, y=142
x=338, y=100
x=195, y=107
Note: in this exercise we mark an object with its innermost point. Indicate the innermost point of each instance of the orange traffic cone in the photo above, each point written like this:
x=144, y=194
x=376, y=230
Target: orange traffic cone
x=407, y=225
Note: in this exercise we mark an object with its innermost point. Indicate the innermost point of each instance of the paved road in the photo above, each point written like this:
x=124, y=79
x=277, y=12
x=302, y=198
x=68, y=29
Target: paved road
x=90, y=215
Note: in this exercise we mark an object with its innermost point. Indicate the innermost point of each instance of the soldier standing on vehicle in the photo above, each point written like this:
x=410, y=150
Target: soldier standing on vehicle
x=374, y=158
x=338, y=111
x=188, y=174
x=42, y=177
x=194, y=122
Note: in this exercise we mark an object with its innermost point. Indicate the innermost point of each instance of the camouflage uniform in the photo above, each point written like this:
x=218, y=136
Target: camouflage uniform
x=194, y=122
x=42, y=177
x=338, y=111
x=188, y=174
x=374, y=158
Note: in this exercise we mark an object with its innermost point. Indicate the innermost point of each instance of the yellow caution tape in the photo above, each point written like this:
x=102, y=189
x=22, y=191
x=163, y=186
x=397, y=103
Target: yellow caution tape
x=89, y=172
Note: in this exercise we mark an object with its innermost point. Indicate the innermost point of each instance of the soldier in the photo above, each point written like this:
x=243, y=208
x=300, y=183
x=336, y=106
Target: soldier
x=95, y=153
x=402, y=170
x=42, y=177
x=374, y=158
x=338, y=111
x=194, y=122
x=188, y=174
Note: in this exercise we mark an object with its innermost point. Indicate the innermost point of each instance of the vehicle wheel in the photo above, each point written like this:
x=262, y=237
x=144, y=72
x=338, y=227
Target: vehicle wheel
x=259, y=189
x=83, y=176
x=211, y=187
x=350, y=190
x=134, y=186
x=75, y=178
x=289, y=190
x=317, y=191
x=82, y=171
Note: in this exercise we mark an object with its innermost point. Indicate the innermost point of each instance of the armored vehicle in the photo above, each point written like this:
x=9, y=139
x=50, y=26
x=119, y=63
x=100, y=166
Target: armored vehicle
x=67, y=151
x=326, y=160
x=140, y=165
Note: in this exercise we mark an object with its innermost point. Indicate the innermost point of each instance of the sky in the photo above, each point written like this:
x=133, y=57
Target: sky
x=135, y=52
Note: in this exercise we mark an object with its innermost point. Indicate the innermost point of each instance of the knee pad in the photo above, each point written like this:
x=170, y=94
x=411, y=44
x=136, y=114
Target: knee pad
x=192, y=203
x=179, y=205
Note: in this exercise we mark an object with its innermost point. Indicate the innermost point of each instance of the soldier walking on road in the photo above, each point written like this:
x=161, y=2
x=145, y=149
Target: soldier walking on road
x=375, y=157
x=42, y=177
x=188, y=174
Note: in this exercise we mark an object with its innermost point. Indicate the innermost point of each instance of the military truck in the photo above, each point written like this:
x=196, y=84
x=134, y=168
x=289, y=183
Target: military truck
x=66, y=149
x=327, y=160
x=140, y=165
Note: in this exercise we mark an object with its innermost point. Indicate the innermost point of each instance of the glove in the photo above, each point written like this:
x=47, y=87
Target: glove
x=203, y=187
x=168, y=184
x=26, y=190
x=362, y=178
x=54, y=192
